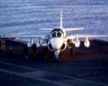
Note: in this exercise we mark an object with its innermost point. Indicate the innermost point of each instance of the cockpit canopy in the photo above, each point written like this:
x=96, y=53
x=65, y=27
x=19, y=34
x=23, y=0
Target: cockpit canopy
x=57, y=33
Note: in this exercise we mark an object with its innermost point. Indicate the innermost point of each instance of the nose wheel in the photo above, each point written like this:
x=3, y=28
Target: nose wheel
x=57, y=53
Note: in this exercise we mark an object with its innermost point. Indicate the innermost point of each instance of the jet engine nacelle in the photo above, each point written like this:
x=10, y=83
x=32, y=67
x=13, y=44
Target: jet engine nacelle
x=30, y=43
x=87, y=43
x=77, y=43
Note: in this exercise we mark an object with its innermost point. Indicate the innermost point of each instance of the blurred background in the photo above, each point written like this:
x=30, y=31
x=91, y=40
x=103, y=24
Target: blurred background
x=28, y=16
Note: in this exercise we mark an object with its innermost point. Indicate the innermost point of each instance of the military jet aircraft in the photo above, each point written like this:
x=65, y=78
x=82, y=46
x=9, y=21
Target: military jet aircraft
x=57, y=39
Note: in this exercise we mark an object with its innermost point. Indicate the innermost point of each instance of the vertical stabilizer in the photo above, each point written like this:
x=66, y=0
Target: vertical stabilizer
x=61, y=19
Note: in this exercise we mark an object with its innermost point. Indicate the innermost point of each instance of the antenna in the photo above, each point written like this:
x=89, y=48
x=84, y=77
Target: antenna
x=61, y=19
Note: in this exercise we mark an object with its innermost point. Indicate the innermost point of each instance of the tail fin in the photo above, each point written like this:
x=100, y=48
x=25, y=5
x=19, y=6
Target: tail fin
x=67, y=29
x=61, y=19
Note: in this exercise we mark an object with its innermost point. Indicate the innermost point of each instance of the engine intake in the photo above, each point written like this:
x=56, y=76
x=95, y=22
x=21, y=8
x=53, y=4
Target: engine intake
x=63, y=47
x=50, y=47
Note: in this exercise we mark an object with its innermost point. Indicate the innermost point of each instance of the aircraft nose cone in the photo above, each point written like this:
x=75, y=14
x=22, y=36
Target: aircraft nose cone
x=56, y=43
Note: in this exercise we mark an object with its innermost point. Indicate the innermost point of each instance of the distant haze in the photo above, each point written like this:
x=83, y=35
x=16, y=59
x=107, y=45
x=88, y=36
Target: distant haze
x=18, y=16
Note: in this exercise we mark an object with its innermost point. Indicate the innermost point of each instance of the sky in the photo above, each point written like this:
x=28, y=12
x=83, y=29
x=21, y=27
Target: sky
x=28, y=16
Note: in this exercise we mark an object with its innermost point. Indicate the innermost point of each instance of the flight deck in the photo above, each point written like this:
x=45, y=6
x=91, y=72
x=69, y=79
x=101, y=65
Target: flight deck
x=87, y=67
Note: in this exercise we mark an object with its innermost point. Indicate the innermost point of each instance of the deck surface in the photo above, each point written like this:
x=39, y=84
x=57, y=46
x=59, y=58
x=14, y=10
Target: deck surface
x=83, y=71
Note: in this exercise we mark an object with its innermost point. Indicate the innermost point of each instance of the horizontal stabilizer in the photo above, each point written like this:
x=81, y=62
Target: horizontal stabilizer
x=74, y=29
x=87, y=35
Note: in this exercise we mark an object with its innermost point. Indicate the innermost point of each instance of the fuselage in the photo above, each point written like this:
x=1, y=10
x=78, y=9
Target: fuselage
x=56, y=39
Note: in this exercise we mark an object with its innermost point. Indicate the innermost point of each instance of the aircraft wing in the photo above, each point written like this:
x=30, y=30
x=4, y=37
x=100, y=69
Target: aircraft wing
x=87, y=36
x=28, y=38
x=66, y=29
x=23, y=35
